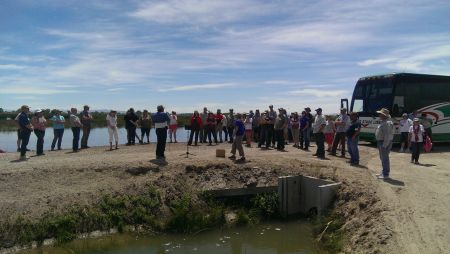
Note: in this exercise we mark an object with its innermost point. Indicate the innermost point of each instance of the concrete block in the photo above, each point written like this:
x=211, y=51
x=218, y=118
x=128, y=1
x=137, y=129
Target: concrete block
x=327, y=194
x=289, y=195
x=220, y=153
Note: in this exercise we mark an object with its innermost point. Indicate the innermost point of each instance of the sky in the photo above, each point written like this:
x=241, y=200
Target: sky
x=187, y=54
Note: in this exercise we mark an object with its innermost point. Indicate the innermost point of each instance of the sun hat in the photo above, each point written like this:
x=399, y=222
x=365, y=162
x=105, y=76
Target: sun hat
x=404, y=114
x=38, y=111
x=416, y=119
x=319, y=109
x=24, y=107
x=384, y=111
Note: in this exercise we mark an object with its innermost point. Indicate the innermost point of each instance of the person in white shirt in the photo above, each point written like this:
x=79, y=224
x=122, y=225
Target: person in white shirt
x=248, y=124
x=384, y=135
x=405, y=123
x=173, y=125
x=318, y=127
x=111, y=122
x=416, y=133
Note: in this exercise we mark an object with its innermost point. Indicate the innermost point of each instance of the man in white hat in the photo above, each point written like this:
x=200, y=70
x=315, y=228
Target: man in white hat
x=405, y=123
x=384, y=136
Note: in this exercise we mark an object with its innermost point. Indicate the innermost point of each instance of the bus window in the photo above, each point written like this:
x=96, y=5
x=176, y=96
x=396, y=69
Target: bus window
x=358, y=105
x=379, y=95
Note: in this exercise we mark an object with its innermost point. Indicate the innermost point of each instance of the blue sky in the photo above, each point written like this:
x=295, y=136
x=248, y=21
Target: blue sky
x=241, y=54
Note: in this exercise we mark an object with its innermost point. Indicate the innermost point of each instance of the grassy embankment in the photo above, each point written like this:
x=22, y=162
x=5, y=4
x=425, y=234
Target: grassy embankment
x=189, y=213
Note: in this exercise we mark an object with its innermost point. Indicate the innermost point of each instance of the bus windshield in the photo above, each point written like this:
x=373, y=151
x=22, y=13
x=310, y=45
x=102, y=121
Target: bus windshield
x=372, y=95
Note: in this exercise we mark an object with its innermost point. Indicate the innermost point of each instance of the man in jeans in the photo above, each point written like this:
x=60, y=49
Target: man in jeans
x=384, y=136
x=203, y=131
x=86, y=119
x=76, y=125
x=318, y=126
x=341, y=127
x=25, y=130
x=352, y=139
x=280, y=124
x=58, y=129
x=238, y=134
x=160, y=119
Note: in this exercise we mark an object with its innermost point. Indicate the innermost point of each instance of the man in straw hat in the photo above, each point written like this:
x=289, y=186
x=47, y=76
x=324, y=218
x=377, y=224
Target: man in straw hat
x=384, y=136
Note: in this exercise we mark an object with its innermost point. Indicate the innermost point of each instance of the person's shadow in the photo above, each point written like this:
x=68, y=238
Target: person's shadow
x=159, y=162
x=426, y=165
x=394, y=182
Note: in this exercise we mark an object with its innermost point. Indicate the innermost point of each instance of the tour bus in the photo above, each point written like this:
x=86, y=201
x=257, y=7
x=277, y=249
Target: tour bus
x=402, y=93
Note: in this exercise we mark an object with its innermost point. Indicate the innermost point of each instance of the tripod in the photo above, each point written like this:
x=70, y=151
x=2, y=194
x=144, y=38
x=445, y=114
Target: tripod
x=188, y=134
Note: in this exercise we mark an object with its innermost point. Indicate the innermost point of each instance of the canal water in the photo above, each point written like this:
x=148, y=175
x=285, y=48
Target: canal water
x=97, y=137
x=270, y=238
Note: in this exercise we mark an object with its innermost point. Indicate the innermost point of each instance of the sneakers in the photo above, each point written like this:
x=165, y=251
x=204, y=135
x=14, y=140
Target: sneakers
x=401, y=150
x=242, y=159
x=23, y=158
x=232, y=157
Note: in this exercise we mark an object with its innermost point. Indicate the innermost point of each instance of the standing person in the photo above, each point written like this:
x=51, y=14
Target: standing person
x=352, y=134
x=39, y=123
x=304, y=131
x=196, y=126
x=248, y=124
x=329, y=132
x=264, y=130
x=279, y=126
x=256, y=126
x=146, y=125
x=219, y=125
x=310, y=122
x=272, y=116
x=427, y=123
x=19, y=140
x=111, y=122
x=173, y=125
x=211, y=128
x=58, y=129
x=384, y=135
x=160, y=119
x=225, y=127
x=341, y=123
x=295, y=127
x=238, y=133
x=230, y=127
x=130, y=125
x=204, y=131
x=415, y=137
x=405, y=124
x=76, y=125
x=86, y=119
x=318, y=127
x=25, y=130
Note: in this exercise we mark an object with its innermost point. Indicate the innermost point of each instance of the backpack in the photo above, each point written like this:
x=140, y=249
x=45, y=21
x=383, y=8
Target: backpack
x=427, y=145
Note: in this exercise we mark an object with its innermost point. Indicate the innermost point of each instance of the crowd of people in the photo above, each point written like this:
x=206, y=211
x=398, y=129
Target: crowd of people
x=269, y=129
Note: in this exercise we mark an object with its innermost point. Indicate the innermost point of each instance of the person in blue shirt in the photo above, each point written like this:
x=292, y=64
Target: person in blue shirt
x=25, y=130
x=304, y=131
x=238, y=133
x=352, y=134
x=161, y=120
x=58, y=129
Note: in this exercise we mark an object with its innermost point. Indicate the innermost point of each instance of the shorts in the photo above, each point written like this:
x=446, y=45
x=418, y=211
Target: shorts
x=404, y=137
x=173, y=127
x=329, y=138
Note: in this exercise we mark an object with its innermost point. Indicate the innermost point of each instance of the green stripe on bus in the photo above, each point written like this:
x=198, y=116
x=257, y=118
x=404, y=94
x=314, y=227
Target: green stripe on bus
x=445, y=110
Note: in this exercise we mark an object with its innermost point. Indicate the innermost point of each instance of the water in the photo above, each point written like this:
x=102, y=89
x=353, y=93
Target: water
x=97, y=137
x=287, y=238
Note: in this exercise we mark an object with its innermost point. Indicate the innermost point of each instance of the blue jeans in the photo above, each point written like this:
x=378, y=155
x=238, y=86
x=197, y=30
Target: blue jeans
x=76, y=138
x=384, y=157
x=161, y=136
x=304, y=138
x=25, y=137
x=320, y=142
x=352, y=146
x=57, y=136
x=40, y=141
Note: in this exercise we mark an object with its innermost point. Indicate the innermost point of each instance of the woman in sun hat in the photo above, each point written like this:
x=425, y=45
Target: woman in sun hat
x=384, y=135
x=416, y=133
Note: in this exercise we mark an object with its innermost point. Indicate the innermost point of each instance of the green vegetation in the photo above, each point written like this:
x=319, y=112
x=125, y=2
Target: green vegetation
x=328, y=230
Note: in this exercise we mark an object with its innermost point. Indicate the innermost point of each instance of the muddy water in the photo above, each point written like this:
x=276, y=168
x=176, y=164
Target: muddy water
x=287, y=238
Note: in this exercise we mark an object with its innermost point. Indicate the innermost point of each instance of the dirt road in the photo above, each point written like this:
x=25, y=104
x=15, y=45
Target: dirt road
x=408, y=214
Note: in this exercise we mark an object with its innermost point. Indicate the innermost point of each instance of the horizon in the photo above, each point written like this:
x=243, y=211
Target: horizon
x=190, y=54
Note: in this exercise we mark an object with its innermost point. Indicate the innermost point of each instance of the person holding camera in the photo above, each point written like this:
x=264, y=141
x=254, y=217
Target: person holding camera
x=196, y=125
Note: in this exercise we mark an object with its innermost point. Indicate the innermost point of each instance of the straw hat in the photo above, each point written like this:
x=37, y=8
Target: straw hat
x=416, y=120
x=384, y=111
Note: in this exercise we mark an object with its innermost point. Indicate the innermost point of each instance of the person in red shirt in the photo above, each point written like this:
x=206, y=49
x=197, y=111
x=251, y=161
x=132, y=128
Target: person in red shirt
x=211, y=127
x=219, y=125
x=196, y=126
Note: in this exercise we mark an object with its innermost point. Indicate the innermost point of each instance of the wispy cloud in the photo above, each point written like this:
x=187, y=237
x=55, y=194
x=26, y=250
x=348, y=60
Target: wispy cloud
x=11, y=67
x=198, y=12
x=35, y=90
x=117, y=89
x=196, y=87
x=319, y=92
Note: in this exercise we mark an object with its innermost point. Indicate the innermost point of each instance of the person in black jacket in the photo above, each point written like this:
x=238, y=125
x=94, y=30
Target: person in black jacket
x=131, y=124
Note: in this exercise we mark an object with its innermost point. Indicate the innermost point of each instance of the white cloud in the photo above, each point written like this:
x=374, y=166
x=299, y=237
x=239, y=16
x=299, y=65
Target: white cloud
x=118, y=89
x=11, y=67
x=34, y=90
x=199, y=12
x=196, y=87
x=319, y=92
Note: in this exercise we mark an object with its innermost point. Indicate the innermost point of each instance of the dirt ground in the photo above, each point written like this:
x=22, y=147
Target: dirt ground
x=408, y=214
